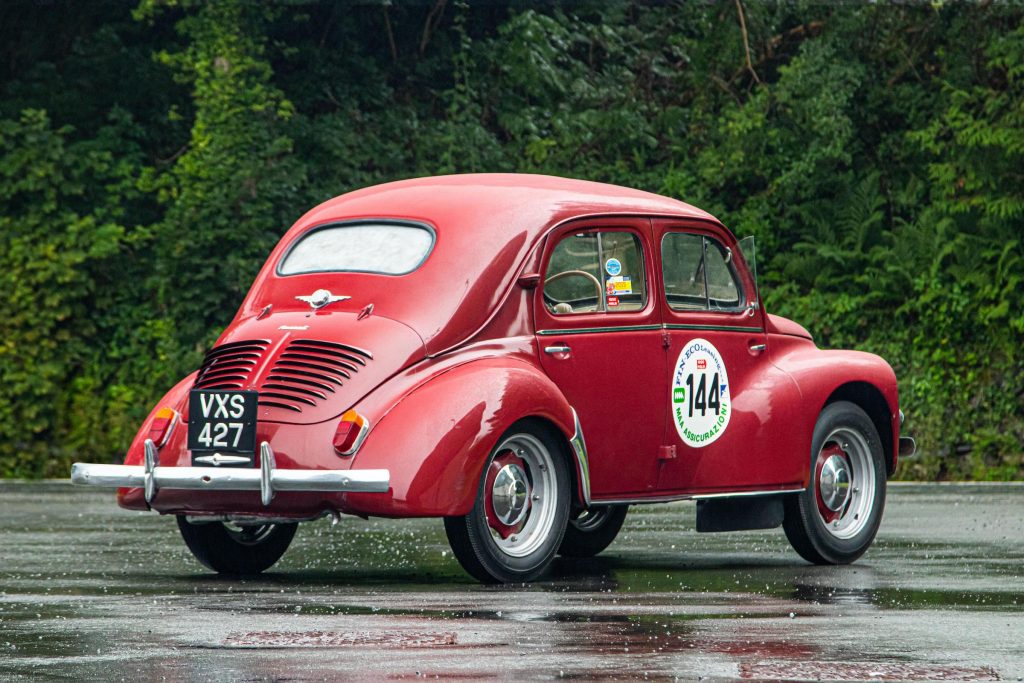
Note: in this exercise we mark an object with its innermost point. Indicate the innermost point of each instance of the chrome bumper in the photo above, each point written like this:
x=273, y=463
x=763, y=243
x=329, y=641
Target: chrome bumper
x=267, y=480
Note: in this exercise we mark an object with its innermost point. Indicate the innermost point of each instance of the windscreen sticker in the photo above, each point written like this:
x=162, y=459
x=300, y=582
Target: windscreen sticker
x=701, y=401
x=613, y=266
x=613, y=301
x=620, y=284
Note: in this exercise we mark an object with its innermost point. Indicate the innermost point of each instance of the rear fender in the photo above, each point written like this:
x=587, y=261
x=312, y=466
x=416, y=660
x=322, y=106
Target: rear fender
x=436, y=440
x=177, y=399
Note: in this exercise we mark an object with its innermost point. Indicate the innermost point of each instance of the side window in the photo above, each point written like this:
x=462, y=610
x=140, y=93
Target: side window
x=601, y=271
x=699, y=274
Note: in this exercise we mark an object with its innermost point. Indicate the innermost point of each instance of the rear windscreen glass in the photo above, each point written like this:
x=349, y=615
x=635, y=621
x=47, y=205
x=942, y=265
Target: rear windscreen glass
x=390, y=249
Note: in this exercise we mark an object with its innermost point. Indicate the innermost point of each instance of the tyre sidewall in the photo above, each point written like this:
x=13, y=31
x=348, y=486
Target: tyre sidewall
x=587, y=542
x=504, y=567
x=217, y=549
x=832, y=549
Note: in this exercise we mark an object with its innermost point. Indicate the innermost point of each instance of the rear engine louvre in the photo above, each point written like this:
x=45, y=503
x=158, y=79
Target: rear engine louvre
x=229, y=366
x=308, y=370
x=305, y=373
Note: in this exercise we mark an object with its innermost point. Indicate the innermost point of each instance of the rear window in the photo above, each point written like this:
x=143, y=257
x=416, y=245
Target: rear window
x=386, y=248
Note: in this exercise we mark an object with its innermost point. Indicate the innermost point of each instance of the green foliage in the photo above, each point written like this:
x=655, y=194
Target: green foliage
x=151, y=158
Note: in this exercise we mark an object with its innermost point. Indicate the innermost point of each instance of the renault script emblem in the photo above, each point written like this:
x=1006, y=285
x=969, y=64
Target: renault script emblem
x=321, y=298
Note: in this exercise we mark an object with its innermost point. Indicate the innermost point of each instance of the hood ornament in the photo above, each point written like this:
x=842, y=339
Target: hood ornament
x=321, y=298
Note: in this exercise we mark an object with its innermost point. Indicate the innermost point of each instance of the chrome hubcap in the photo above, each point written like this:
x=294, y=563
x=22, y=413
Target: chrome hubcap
x=834, y=483
x=509, y=494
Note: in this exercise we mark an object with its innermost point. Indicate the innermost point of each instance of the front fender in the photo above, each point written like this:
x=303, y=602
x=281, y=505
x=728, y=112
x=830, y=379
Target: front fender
x=436, y=440
x=862, y=378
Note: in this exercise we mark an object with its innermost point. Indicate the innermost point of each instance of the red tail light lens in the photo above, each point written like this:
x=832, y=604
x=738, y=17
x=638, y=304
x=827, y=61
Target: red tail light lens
x=162, y=426
x=350, y=433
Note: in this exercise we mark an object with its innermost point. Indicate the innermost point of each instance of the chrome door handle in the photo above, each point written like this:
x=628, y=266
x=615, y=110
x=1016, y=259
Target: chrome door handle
x=557, y=349
x=758, y=347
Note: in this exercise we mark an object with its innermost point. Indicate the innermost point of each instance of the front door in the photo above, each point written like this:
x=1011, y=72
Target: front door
x=600, y=338
x=722, y=382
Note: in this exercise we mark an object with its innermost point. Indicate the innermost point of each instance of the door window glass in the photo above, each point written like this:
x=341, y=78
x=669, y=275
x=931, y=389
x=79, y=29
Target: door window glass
x=699, y=274
x=601, y=271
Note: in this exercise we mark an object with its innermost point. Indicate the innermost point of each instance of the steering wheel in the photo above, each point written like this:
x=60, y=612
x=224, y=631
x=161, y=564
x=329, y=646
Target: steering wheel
x=578, y=273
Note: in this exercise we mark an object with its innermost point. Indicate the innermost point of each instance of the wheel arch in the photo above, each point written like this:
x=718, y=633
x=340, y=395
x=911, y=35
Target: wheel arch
x=872, y=401
x=436, y=439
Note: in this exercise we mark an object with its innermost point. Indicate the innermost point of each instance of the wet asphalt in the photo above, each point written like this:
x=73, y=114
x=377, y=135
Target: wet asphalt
x=92, y=592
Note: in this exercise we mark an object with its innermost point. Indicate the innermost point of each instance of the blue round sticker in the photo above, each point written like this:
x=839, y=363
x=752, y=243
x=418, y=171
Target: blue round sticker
x=613, y=267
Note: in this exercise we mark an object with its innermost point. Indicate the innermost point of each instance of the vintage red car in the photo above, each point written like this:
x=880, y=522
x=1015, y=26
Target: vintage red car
x=524, y=356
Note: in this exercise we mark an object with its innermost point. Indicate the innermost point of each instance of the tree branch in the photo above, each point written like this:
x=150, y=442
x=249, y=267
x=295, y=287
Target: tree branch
x=391, y=34
x=433, y=19
x=746, y=41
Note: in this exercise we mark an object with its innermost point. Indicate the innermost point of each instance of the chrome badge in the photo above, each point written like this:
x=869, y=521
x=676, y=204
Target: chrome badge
x=321, y=298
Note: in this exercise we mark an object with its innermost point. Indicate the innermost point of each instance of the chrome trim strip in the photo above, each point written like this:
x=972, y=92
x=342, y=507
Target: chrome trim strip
x=694, y=496
x=713, y=328
x=597, y=330
x=231, y=479
x=637, y=328
x=746, y=494
x=579, y=447
x=221, y=459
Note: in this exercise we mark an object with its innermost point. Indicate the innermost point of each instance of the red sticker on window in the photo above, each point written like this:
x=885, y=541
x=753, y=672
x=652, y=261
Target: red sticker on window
x=613, y=301
x=702, y=364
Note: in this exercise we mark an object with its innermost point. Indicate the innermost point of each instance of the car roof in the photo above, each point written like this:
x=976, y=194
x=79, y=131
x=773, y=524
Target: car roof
x=486, y=224
x=453, y=197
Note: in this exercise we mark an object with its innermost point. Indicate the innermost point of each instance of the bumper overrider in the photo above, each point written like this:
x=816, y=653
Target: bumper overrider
x=268, y=480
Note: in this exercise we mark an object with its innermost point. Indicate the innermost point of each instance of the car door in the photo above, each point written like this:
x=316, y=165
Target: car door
x=599, y=333
x=722, y=383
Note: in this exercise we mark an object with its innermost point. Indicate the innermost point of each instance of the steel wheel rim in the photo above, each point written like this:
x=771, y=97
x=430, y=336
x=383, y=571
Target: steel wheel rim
x=249, y=534
x=536, y=525
x=852, y=516
x=591, y=519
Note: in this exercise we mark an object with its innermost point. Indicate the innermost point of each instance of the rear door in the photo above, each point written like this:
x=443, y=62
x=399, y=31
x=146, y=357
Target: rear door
x=600, y=338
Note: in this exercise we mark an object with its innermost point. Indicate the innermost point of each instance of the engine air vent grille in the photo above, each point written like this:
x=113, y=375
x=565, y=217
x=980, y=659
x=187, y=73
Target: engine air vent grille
x=229, y=366
x=308, y=371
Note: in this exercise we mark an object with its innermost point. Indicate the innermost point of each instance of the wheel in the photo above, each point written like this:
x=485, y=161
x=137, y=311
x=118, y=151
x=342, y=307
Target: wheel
x=521, y=509
x=835, y=519
x=592, y=530
x=236, y=549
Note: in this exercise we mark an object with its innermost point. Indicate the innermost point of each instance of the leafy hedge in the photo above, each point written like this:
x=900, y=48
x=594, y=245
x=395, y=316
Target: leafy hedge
x=151, y=155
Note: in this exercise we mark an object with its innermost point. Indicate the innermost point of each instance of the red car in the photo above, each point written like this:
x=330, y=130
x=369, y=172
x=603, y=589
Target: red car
x=524, y=356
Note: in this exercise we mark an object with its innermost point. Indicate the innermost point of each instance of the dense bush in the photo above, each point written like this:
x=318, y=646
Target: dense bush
x=151, y=155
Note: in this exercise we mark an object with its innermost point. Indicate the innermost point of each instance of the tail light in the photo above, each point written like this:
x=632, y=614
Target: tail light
x=162, y=426
x=350, y=433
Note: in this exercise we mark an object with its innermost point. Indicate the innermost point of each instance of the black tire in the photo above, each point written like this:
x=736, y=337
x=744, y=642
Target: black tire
x=592, y=530
x=527, y=550
x=845, y=435
x=240, y=550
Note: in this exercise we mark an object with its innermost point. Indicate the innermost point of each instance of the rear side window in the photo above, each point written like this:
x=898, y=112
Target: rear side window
x=386, y=248
x=592, y=272
x=699, y=274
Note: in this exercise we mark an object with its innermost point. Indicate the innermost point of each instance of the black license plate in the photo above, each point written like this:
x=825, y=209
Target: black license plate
x=222, y=422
